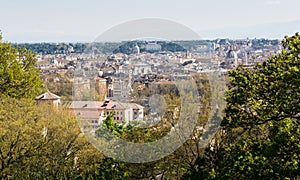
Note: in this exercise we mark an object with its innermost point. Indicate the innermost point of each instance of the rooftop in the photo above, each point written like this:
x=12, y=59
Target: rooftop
x=47, y=96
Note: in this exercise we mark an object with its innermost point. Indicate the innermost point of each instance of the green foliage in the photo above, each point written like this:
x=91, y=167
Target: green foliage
x=183, y=159
x=260, y=134
x=127, y=47
x=66, y=48
x=18, y=76
x=62, y=88
x=270, y=152
x=43, y=142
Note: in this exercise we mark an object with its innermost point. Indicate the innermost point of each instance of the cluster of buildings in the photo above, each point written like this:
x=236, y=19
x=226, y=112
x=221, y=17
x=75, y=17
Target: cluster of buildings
x=103, y=83
x=217, y=54
x=92, y=113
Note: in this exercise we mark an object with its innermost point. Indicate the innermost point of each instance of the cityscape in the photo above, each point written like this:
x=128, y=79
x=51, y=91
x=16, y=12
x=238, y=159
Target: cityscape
x=115, y=74
x=150, y=90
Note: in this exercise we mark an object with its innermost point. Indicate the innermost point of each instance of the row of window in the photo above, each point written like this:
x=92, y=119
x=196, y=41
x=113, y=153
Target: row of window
x=95, y=121
x=118, y=118
x=91, y=127
x=107, y=113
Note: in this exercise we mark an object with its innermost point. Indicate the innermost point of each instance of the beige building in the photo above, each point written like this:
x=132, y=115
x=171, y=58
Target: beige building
x=101, y=88
x=88, y=111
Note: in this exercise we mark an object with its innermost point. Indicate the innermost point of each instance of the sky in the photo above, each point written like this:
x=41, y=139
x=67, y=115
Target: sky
x=84, y=20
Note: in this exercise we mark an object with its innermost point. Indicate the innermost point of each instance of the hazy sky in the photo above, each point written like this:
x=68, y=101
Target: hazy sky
x=84, y=20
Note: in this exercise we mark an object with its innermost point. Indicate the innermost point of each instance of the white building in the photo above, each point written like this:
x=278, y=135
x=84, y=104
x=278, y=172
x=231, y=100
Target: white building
x=153, y=47
x=123, y=111
x=141, y=69
x=92, y=113
x=121, y=88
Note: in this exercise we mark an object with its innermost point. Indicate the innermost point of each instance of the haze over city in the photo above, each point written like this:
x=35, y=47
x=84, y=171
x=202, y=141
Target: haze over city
x=83, y=21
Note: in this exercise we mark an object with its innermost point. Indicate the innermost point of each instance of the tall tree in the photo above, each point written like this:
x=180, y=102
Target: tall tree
x=261, y=128
x=18, y=76
x=43, y=142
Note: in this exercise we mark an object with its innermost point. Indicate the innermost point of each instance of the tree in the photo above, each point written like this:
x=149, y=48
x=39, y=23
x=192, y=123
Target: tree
x=62, y=88
x=18, y=76
x=261, y=129
x=269, y=92
x=42, y=142
x=177, y=163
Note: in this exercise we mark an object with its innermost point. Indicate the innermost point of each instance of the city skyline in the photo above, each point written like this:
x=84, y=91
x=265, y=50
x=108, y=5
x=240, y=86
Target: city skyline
x=83, y=21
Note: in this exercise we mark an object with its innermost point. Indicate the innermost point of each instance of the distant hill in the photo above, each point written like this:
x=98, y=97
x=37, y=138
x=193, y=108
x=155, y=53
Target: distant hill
x=270, y=31
x=127, y=47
